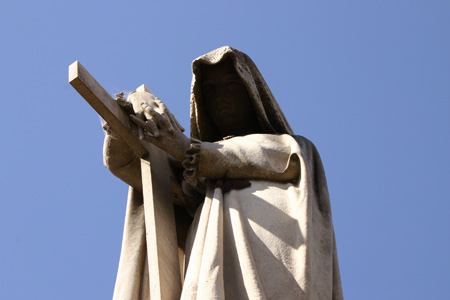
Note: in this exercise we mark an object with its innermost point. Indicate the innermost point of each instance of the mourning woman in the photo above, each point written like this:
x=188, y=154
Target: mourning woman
x=262, y=226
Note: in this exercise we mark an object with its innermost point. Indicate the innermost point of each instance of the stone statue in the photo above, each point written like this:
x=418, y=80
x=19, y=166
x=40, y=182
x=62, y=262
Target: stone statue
x=260, y=223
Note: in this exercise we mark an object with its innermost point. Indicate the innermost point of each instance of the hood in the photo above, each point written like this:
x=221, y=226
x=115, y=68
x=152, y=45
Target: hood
x=269, y=114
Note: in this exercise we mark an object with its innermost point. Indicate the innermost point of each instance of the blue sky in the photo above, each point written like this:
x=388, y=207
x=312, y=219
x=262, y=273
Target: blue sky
x=367, y=81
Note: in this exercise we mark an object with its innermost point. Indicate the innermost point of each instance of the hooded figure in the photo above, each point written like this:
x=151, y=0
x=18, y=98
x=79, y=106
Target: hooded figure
x=262, y=226
x=273, y=239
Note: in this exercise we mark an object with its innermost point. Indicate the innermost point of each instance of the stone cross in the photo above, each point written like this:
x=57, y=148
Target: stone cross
x=162, y=250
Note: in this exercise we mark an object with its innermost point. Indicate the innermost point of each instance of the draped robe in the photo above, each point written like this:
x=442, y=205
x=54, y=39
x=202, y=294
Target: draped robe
x=269, y=239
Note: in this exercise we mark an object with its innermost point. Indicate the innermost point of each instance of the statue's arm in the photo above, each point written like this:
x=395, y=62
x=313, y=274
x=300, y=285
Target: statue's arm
x=122, y=161
x=256, y=156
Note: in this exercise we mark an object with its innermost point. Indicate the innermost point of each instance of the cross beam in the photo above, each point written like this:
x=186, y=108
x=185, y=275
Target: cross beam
x=161, y=237
x=104, y=105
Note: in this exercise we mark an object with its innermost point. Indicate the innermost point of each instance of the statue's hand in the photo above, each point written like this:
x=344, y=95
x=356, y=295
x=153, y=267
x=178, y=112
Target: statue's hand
x=128, y=109
x=161, y=128
x=157, y=116
x=124, y=104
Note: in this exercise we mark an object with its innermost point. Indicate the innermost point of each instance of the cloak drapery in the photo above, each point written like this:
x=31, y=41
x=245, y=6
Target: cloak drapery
x=271, y=238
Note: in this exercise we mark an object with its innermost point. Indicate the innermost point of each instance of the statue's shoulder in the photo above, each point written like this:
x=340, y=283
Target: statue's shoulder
x=302, y=141
x=306, y=145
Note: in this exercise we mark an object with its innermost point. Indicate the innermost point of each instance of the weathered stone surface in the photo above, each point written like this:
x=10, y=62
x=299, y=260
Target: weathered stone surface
x=262, y=226
x=160, y=240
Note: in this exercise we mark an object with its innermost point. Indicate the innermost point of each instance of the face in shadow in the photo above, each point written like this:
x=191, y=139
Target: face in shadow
x=227, y=101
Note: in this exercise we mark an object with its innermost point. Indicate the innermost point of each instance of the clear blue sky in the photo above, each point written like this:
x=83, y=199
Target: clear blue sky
x=367, y=81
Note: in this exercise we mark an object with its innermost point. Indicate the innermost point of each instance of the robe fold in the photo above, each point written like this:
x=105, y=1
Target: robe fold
x=271, y=240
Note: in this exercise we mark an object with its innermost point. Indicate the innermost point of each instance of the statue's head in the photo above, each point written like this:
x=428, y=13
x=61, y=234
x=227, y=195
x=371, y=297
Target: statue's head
x=230, y=97
x=226, y=100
